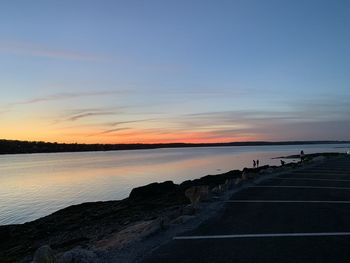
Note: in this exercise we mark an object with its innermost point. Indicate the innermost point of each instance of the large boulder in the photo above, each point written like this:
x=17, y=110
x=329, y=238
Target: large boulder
x=153, y=191
x=44, y=254
x=197, y=193
x=133, y=233
x=78, y=255
x=211, y=180
x=219, y=189
x=182, y=219
x=318, y=158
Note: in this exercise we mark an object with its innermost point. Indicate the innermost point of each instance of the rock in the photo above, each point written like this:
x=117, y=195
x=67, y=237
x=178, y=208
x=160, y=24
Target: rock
x=238, y=181
x=78, y=255
x=219, y=189
x=44, y=254
x=318, y=158
x=229, y=183
x=131, y=234
x=244, y=175
x=152, y=191
x=249, y=173
x=197, y=193
x=211, y=180
x=269, y=170
x=163, y=222
x=182, y=219
x=188, y=210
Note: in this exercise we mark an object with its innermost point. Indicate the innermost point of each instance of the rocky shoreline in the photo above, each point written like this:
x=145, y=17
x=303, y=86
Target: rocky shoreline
x=89, y=232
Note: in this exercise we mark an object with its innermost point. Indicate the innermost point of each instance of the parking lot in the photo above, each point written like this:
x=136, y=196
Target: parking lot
x=301, y=216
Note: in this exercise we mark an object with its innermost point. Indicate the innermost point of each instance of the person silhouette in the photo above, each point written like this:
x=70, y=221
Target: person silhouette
x=254, y=163
x=257, y=163
x=302, y=156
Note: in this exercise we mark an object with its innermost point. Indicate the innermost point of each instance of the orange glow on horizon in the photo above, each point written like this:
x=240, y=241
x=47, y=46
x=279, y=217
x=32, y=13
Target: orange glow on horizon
x=29, y=130
x=135, y=137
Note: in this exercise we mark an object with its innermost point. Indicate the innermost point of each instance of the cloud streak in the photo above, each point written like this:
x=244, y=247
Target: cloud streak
x=65, y=96
x=78, y=114
x=112, y=124
x=296, y=123
x=89, y=114
x=35, y=50
x=110, y=131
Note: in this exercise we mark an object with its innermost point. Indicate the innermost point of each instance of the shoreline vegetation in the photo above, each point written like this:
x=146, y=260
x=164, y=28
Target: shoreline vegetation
x=97, y=231
x=24, y=147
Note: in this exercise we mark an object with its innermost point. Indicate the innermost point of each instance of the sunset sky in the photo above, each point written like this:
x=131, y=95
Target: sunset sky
x=174, y=71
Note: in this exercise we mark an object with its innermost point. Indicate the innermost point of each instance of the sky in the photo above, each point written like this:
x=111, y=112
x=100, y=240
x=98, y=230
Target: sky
x=110, y=71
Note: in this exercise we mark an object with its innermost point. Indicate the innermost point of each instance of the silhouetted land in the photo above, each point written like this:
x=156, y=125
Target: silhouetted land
x=17, y=147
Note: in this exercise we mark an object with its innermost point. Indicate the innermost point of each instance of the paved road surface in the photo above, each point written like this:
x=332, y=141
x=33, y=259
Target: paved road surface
x=303, y=216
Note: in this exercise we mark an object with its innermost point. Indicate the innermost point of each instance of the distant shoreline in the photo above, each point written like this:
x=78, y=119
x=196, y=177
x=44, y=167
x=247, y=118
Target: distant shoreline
x=29, y=147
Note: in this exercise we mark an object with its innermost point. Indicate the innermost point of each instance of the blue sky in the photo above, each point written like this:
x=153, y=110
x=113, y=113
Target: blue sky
x=147, y=71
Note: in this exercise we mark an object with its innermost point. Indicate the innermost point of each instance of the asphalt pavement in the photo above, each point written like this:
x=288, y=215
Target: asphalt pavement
x=301, y=216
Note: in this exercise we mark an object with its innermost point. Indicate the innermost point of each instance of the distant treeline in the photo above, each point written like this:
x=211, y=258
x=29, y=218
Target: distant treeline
x=15, y=147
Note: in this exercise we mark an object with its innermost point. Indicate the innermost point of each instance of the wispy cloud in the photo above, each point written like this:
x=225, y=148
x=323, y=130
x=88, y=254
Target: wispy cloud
x=311, y=121
x=301, y=111
x=78, y=114
x=89, y=114
x=262, y=125
x=36, y=50
x=110, y=131
x=232, y=120
x=3, y=111
x=119, y=123
x=112, y=124
x=66, y=95
x=325, y=109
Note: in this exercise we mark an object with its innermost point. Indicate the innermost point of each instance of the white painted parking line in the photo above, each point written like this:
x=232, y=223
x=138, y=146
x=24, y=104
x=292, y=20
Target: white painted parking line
x=321, y=173
x=324, y=234
x=300, y=187
x=311, y=179
x=288, y=201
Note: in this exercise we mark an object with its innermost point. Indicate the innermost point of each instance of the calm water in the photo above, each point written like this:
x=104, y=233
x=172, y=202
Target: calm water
x=35, y=185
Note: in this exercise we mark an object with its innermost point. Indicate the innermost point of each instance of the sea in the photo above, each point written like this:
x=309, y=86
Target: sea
x=36, y=185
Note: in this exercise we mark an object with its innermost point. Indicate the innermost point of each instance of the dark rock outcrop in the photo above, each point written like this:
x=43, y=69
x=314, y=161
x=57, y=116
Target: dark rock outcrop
x=78, y=255
x=153, y=191
x=197, y=193
x=211, y=180
x=44, y=254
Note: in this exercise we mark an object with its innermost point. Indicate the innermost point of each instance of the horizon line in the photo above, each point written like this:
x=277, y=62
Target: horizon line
x=183, y=143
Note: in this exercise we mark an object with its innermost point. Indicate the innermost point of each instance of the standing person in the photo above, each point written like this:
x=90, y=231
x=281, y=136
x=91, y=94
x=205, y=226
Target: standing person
x=254, y=163
x=302, y=156
x=257, y=163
